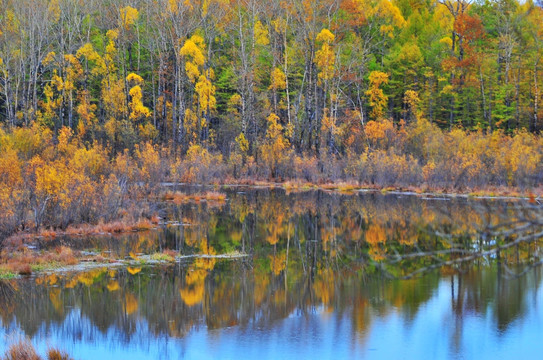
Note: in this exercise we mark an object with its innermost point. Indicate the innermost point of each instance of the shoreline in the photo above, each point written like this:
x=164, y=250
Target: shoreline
x=19, y=257
x=120, y=227
x=88, y=261
x=504, y=193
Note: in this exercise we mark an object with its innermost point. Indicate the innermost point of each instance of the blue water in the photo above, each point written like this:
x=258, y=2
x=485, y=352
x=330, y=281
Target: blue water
x=434, y=331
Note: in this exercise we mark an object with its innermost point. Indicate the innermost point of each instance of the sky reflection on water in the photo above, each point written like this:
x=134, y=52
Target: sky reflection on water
x=294, y=298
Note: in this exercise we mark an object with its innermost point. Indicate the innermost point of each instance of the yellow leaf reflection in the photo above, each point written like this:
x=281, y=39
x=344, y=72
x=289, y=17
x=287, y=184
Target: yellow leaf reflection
x=71, y=283
x=192, y=295
x=131, y=304
x=133, y=270
x=54, y=295
x=278, y=262
x=113, y=285
x=193, y=292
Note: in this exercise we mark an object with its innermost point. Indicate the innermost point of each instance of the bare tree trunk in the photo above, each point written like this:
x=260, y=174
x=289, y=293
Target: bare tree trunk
x=536, y=95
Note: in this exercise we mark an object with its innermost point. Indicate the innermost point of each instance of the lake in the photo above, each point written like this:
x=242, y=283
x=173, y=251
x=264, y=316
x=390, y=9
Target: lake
x=323, y=279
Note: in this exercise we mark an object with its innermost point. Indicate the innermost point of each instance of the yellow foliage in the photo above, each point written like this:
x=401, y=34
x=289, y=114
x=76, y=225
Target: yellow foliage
x=87, y=51
x=73, y=71
x=242, y=142
x=279, y=25
x=114, y=99
x=325, y=57
x=447, y=41
x=134, y=78
x=233, y=103
x=65, y=134
x=148, y=132
x=10, y=169
x=325, y=36
x=137, y=110
x=190, y=123
x=112, y=35
x=205, y=7
x=129, y=15
x=54, y=10
x=273, y=150
x=86, y=112
x=411, y=99
x=521, y=158
x=148, y=160
x=377, y=98
x=277, y=80
x=194, y=49
x=206, y=94
x=261, y=34
x=49, y=58
x=197, y=153
x=173, y=6
x=391, y=15
x=92, y=162
x=51, y=179
x=192, y=71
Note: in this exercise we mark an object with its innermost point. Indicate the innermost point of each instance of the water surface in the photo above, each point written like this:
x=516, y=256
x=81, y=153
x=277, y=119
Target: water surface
x=317, y=284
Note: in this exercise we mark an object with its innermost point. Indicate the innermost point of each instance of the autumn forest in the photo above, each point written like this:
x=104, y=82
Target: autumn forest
x=101, y=100
x=268, y=179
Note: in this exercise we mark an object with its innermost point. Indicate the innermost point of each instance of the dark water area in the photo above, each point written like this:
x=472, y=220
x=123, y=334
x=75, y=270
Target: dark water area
x=320, y=282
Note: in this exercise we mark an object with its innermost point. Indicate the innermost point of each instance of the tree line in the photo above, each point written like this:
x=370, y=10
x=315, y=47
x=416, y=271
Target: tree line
x=231, y=73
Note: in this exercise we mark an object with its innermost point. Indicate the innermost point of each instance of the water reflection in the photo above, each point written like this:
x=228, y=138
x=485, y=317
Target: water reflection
x=180, y=301
x=311, y=286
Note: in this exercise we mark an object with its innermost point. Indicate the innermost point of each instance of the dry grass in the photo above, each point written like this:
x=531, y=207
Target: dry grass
x=298, y=186
x=114, y=227
x=24, y=350
x=143, y=225
x=346, y=187
x=181, y=198
x=166, y=255
x=23, y=261
x=21, y=350
x=56, y=354
x=125, y=225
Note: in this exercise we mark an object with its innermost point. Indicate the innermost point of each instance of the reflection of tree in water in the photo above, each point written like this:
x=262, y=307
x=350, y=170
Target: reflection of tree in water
x=309, y=252
x=238, y=294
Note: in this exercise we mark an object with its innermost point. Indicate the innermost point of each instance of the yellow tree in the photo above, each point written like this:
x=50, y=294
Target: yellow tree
x=376, y=97
x=139, y=113
x=324, y=57
x=86, y=113
x=275, y=147
x=196, y=120
x=325, y=61
x=72, y=73
x=278, y=81
x=52, y=91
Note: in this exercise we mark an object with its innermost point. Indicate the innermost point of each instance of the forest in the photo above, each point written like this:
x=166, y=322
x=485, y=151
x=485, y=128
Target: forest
x=102, y=100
